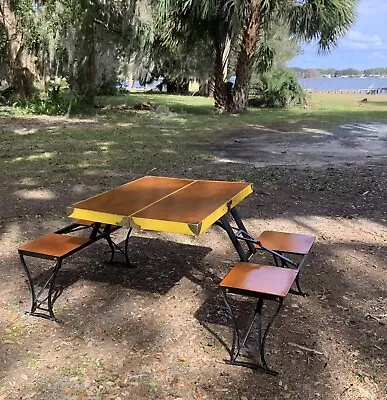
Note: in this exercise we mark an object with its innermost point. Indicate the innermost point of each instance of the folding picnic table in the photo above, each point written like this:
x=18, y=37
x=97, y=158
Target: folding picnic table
x=188, y=207
x=173, y=205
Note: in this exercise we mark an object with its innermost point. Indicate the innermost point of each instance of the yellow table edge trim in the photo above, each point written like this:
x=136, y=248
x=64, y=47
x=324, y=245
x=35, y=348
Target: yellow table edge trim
x=95, y=216
x=162, y=226
x=225, y=208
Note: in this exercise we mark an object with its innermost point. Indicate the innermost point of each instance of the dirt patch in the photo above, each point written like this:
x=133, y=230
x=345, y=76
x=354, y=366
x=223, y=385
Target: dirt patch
x=160, y=330
x=356, y=142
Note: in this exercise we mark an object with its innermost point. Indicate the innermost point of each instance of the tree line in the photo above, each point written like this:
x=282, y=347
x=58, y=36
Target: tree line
x=92, y=43
x=321, y=72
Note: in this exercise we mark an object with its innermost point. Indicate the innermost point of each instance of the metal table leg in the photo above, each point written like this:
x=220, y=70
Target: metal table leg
x=114, y=246
x=235, y=234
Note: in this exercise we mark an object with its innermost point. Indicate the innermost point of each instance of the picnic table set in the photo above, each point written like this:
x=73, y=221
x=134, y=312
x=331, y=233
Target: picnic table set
x=184, y=206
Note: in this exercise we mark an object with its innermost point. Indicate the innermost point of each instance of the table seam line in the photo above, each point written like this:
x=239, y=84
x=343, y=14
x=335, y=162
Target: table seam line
x=187, y=223
x=162, y=198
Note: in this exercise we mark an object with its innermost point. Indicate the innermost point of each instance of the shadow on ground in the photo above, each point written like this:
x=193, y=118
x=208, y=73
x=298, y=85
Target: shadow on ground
x=161, y=331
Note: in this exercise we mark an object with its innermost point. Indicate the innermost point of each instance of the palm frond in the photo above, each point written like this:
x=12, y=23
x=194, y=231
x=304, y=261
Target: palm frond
x=321, y=20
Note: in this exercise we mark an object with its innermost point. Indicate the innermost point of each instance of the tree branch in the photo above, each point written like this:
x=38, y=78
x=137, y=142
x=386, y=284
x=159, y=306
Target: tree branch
x=108, y=27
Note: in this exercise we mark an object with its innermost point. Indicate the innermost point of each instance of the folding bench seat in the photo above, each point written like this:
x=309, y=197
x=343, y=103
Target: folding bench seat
x=56, y=247
x=287, y=249
x=262, y=282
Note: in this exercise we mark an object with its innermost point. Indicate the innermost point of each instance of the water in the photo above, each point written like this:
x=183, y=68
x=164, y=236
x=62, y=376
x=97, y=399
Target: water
x=336, y=84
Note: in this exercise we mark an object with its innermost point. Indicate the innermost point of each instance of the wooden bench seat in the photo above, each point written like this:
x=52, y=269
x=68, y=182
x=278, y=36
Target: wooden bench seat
x=262, y=282
x=260, y=279
x=53, y=246
x=289, y=250
x=58, y=246
x=291, y=243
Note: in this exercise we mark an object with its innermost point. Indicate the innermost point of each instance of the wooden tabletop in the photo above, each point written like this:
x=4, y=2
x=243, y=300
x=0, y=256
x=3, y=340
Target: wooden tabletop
x=163, y=204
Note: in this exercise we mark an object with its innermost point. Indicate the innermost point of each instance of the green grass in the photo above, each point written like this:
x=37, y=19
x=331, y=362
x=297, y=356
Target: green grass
x=173, y=138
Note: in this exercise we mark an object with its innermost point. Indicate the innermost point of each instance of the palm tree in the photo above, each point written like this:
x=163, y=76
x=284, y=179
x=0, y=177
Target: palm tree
x=241, y=25
x=321, y=20
x=203, y=21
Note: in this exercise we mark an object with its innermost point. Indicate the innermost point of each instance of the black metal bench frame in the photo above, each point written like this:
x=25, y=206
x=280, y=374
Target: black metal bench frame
x=42, y=300
x=239, y=235
x=100, y=231
x=239, y=340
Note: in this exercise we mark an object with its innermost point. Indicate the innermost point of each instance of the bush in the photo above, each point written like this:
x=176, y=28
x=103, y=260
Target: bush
x=54, y=102
x=278, y=88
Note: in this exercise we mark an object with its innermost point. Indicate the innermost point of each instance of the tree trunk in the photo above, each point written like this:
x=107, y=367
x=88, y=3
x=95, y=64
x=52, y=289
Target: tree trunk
x=81, y=56
x=206, y=88
x=90, y=56
x=221, y=57
x=20, y=62
x=245, y=61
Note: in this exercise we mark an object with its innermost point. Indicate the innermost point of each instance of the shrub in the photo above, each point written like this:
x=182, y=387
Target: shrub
x=279, y=88
x=54, y=102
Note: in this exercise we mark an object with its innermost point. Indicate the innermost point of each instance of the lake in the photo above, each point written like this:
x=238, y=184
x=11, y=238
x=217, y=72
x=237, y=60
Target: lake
x=336, y=84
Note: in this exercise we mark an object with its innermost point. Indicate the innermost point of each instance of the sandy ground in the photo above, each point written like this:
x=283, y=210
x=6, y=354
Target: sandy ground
x=160, y=331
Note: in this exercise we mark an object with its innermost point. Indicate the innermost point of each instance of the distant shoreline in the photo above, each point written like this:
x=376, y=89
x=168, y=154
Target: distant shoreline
x=376, y=85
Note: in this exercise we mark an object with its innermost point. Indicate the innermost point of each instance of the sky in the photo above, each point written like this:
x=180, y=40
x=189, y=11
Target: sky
x=363, y=47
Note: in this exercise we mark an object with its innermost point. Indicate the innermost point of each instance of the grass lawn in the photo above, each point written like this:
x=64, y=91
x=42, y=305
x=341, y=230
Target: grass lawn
x=173, y=137
x=160, y=331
